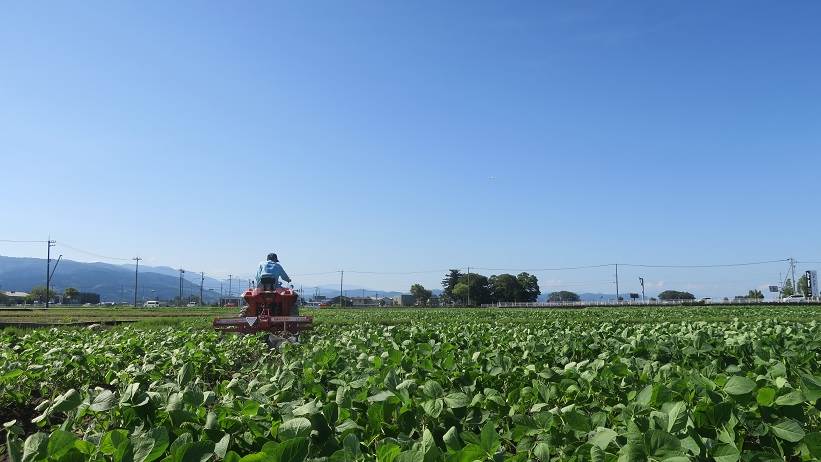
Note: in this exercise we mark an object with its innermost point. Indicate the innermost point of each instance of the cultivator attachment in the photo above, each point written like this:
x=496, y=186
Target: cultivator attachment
x=268, y=311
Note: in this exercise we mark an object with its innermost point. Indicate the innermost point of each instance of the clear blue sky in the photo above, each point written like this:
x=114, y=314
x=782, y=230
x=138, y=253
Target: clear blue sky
x=404, y=136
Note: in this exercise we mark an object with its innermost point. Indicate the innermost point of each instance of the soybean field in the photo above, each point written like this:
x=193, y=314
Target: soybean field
x=618, y=384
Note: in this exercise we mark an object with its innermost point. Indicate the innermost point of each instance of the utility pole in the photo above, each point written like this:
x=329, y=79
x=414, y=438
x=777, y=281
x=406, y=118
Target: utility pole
x=182, y=271
x=341, y=278
x=48, y=269
x=136, y=278
x=617, y=282
x=641, y=280
x=229, y=283
x=202, y=281
x=468, y=286
x=792, y=270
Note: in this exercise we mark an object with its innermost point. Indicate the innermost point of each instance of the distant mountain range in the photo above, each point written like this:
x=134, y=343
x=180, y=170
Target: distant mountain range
x=114, y=283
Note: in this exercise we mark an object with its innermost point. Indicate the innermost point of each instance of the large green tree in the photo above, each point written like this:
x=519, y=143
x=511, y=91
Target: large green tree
x=563, y=296
x=70, y=293
x=472, y=289
x=510, y=288
x=755, y=294
x=787, y=289
x=449, y=283
x=505, y=288
x=421, y=294
x=38, y=294
x=804, y=285
x=529, y=285
x=676, y=295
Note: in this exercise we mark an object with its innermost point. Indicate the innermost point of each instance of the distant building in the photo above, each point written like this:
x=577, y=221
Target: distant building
x=85, y=297
x=231, y=301
x=404, y=300
x=14, y=297
x=364, y=301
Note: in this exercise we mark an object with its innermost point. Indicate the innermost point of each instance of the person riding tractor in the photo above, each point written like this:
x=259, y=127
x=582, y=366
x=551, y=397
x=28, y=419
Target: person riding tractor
x=269, y=273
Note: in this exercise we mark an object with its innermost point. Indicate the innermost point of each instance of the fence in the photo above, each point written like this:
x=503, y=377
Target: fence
x=594, y=303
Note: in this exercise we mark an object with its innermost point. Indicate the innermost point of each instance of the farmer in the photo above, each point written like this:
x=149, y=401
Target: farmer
x=269, y=273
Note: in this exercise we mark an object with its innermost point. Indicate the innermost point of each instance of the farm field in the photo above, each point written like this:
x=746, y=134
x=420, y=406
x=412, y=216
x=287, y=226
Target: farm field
x=631, y=384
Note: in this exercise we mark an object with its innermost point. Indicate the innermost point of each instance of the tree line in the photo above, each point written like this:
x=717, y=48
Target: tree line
x=476, y=289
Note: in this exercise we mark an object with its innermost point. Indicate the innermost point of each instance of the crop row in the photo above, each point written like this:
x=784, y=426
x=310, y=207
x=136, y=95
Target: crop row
x=431, y=389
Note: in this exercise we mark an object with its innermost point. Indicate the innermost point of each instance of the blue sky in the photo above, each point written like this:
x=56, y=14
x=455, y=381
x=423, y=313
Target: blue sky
x=392, y=137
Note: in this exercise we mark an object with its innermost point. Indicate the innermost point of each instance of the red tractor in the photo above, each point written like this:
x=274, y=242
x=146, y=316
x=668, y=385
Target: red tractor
x=270, y=311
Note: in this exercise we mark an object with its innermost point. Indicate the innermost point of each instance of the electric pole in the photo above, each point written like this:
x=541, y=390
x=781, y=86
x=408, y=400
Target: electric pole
x=229, y=283
x=617, y=282
x=641, y=280
x=202, y=281
x=136, y=278
x=468, y=303
x=182, y=271
x=48, y=269
x=341, y=278
x=792, y=270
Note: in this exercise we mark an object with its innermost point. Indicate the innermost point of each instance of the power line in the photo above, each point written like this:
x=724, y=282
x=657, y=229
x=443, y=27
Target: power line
x=63, y=244
x=724, y=265
x=14, y=241
x=566, y=268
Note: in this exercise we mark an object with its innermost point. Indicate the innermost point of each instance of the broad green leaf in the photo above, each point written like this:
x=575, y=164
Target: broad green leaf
x=677, y=417
x=811, y=386
x=790, y=399
x=113, y=440
x=221, y=446
x=35, y=447
x=257, y=457
x=185, y=374
x=724, y=452
x=292, y=450
x=432, y=389
x=381, y=396
x=813, y=442
x=428, y=447
x=603, y=437
x=738, y=385
x=542, y=451
x=104, y=401
x=457, y=400
x=451, y=439
x=387, y=452
x=149, y=446
x=59, y=443
x=661, y=445
x=596, y=454
x=645, y=396
x=200, y=451
x=577, y=421
x=296, y=427
x=433, y=407
x=471, y=453
x=765, y=396
x=14, y=448
x=788, y=430
x=489, y=439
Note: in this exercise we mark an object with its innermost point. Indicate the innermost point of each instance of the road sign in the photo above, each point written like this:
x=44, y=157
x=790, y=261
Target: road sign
x=773, y=288
x=812, y=281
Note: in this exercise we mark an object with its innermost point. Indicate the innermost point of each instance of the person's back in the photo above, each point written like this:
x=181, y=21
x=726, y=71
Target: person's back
x=269, y=273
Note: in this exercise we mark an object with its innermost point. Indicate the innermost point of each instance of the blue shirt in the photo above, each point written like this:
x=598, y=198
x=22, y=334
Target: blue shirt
x=273, y=270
